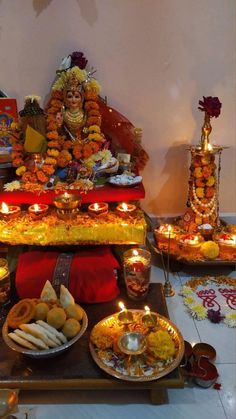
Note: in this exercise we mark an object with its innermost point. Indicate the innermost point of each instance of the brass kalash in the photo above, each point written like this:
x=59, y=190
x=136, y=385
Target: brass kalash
x=67, y=205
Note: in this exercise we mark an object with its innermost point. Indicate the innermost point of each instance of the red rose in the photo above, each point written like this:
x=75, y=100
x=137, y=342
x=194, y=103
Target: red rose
x=210, y=105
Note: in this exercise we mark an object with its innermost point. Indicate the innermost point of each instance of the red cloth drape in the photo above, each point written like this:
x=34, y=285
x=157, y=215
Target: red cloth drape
x=92, y=278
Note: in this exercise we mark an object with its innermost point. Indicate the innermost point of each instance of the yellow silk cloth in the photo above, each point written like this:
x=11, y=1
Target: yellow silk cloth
x=34, y=141
x=81, y=230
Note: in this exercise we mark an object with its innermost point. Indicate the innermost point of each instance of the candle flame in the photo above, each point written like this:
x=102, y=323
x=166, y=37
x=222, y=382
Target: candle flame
x=147, y=309
x=135, y=252
x=124, y=206
x=121, y=305
x=96, y=206
x=169, y=228
x=66, y=195
x=209, y=147
x=5, y=208
x=36, y=207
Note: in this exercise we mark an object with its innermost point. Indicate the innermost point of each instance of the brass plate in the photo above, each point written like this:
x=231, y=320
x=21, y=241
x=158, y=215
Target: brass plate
x=47, y=353
x=161, y=368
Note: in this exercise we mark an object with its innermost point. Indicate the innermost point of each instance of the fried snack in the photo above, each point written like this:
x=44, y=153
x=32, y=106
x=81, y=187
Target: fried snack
x=161, y=345
x=39, y=343
x=56, y=317
x=48, y=293
x=74, y=311
x=21, y=341
x=21, y=312
x=66, y=298
x=49, y=334
x=71, y=328
x=33, y=329
x=51, y=329
x=41, y=311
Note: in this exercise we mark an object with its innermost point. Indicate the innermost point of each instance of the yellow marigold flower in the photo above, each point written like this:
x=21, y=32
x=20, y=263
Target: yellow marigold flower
x=188, y=300
x=161, y=345
x=50, y=160
x=200, y=192
x=53, y=152
x=210, y=249
x=197, y=172
x=93, y=85
x=230, y=319
x=94, y=128
x=21, y=170
x=186, y=291
x=210, y=181
x=198, y=311
x=95, y=137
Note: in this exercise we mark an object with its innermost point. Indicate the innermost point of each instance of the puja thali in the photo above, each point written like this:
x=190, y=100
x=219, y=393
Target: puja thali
x=143, y=366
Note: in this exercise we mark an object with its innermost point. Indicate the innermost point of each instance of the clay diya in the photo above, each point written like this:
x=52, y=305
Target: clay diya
x=9, y=212
x=37, y=211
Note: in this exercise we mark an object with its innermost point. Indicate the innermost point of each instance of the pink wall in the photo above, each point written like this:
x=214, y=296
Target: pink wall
x=154, y=59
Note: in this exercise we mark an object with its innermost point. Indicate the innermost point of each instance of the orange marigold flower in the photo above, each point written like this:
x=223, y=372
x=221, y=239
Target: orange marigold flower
x=57, y=94
x=48, y=169
x=52, y=126
x=42, y=177
x=16, y=155
x=50, y=118
x=54, y=144
x=17, y=147
x=50, y=160
x=52, y=152
x=95, y=146
x=17, y=162
x=94, y=120
x=87, y=151
x=91, y=95
x=56, y=103
x=29, y=177
x=94, y=112
x=52, y=135
x=67, y=144
x=52, y=110
x=91, y=105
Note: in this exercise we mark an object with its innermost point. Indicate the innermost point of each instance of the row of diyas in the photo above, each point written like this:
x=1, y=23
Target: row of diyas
x=67, y=206
x=205, y=243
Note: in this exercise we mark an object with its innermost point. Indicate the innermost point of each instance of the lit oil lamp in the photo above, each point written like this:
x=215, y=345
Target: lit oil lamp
x=137, y=268
x=125, y=210
x=98, y=209
x=125, y=317
x=9, y=212
x=37, y=211
x=67, y=205
x=149, y=319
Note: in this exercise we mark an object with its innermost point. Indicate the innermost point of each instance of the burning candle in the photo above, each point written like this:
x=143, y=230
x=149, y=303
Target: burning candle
x=125, y=210
x=125, y=316
x=9, y=212
x=137, y=268
x=149, y=319
x=37, y=211
x=98, y=209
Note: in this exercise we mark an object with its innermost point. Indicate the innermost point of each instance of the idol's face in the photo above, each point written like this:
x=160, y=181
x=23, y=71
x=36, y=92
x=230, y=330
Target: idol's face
x=73, y=100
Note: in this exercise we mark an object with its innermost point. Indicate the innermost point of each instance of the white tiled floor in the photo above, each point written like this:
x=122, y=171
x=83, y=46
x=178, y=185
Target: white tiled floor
x=191, y=402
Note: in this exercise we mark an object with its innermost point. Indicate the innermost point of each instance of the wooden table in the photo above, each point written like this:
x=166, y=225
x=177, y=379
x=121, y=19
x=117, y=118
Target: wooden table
x=75, y=369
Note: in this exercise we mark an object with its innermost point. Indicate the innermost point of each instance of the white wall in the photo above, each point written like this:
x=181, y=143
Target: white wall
x=155, y=59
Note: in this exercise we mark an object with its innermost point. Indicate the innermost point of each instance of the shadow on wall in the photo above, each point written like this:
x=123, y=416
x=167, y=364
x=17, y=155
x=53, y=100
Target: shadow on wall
x=88, y=9
x=173, y=193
